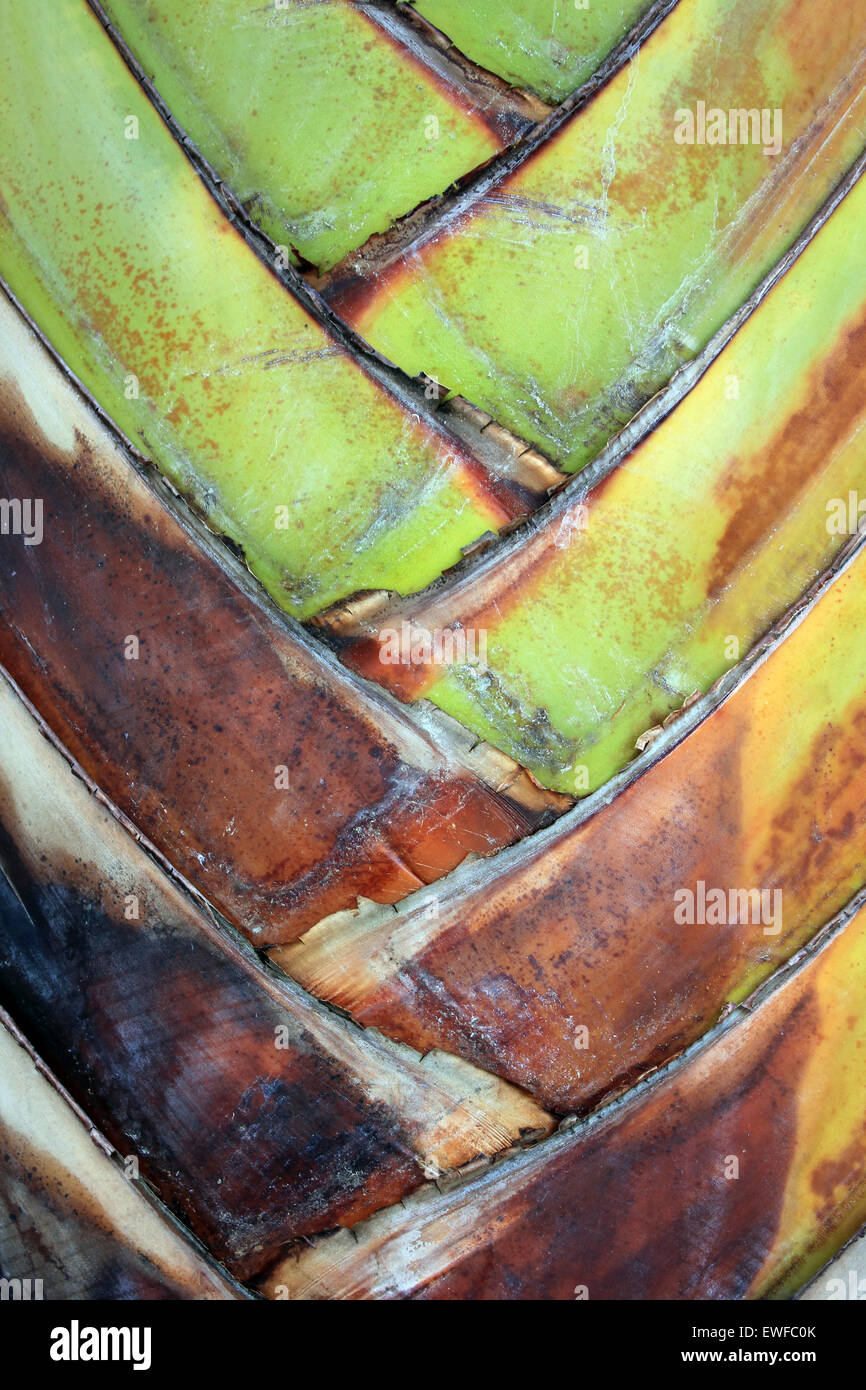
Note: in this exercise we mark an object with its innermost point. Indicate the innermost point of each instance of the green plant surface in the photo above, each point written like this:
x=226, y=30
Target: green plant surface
x=114, y=246
x=585, y=925
x=549, y=46
x=621, y=604
x=232, y=742
x=323, y=125
x=561, y=297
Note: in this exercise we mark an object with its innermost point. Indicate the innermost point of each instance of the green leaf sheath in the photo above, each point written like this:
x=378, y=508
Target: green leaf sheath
x=561, y=297
x=550, y=46
x=117, y=250
x=323, y=126
x=623, y=603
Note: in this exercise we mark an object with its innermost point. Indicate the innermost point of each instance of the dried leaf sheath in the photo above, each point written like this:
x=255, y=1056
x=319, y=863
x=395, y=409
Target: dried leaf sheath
x=564, y=295
x=571, y=964
x=256, y=1113
x=326, y=480
x=226, y=737
x=607, y=615
x=175, y=741
x=734, y=1175
x=68, y=1215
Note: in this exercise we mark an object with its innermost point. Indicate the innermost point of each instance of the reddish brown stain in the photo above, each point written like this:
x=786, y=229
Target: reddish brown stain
x=509, y=981
x=831, y=1179
x=821, y=816
x=513, y=973
x=763, y=488
x=641, y=1209
x=828, y=32
x=186, y=739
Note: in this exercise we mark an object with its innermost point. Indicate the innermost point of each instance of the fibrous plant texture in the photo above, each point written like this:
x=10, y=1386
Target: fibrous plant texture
x=432, y=649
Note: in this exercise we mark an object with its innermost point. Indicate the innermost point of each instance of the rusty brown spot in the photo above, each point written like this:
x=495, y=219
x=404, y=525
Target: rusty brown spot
x=186, y=740
x=696, y=1187
x=581, y=931
x=798, y=452
x=642, y=1208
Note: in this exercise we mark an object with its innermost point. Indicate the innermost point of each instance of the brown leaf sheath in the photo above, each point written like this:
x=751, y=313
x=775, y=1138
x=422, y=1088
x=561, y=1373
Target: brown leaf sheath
x=187, y=739
x=68, y=1215
x=576, y=929
x=734, y=1174
x=257, y=1114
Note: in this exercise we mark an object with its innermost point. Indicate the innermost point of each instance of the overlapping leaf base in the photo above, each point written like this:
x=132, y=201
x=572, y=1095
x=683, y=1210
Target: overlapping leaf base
x=500, y=934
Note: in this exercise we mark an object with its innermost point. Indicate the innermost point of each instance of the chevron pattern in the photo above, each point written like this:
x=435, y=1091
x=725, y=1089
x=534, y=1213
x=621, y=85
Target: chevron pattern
x=432, y=650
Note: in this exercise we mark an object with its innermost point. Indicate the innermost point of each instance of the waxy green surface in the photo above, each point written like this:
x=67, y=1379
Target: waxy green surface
x=117, y=250
x=550, y=46
x=323, y=126
x=565, y=295
x=620, y=606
